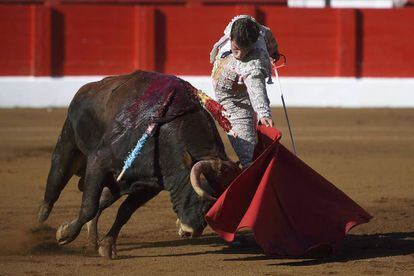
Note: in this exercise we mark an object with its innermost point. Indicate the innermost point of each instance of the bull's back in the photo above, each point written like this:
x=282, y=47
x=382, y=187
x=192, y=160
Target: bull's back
x=95, y=105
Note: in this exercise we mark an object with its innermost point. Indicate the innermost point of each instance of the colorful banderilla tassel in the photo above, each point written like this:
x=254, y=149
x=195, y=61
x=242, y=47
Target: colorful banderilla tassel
x=217, y=111
x=137, y=150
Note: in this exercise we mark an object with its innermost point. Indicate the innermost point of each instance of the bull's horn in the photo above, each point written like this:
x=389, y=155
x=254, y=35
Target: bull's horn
x=196, y=171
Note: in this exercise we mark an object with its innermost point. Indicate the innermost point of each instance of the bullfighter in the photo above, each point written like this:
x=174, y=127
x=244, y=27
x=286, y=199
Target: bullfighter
x=242, y=61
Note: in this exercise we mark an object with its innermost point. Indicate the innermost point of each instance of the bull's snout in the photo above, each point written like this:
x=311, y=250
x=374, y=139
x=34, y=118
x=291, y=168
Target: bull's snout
x=185, y=231
x=184, y=234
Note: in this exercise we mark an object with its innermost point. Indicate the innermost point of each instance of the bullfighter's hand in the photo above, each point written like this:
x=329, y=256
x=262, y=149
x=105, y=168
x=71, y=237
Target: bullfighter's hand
x=267, y=121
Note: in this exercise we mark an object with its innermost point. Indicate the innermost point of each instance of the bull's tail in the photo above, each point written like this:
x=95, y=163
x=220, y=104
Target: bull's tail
x=66, y=161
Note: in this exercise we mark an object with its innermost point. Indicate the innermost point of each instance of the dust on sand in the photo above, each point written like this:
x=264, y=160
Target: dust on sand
x=34, y=240
x=366, y=153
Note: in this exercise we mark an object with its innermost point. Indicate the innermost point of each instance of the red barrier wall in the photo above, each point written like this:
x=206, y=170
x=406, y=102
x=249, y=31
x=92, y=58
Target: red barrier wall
x=16, y=40
x=94, y=39
x=387, y=43
x=91, y=37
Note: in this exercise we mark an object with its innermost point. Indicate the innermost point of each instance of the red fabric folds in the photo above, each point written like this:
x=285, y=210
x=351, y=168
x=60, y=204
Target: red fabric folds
x=290, y=208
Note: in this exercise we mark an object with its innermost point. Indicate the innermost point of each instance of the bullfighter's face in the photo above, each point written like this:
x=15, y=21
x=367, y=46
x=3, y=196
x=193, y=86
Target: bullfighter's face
x=239, y=52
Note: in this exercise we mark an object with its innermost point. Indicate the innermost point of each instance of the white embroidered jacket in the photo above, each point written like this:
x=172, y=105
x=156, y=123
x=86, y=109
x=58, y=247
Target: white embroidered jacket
x=242, y=82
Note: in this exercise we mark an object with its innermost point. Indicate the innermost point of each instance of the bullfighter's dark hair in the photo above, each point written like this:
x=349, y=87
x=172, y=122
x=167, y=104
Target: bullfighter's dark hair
x=244, y=32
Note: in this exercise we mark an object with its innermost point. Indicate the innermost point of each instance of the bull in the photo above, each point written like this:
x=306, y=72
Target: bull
x=185, y=156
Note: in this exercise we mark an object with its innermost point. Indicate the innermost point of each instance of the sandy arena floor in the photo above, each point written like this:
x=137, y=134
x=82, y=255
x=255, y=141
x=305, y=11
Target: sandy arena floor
x=368, y=153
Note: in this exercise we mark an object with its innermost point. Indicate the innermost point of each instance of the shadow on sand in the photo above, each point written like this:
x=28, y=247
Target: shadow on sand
x=354, y=247
x=360, y=247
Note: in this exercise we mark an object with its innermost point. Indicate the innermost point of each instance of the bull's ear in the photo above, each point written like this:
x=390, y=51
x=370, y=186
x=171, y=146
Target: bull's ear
x=188, y=160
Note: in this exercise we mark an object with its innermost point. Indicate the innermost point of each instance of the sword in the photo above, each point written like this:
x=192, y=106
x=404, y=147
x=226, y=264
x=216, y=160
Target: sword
x=275, y=67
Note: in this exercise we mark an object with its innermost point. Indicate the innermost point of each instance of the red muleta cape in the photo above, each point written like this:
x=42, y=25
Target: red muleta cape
x=291, y=209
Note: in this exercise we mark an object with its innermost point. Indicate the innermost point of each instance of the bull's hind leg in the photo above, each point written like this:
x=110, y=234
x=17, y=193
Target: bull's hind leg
x=107, y=246
x=92, y=190
x=66, y=160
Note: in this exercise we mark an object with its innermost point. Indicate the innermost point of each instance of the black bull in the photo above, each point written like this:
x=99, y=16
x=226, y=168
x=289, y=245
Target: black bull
x=185, y=156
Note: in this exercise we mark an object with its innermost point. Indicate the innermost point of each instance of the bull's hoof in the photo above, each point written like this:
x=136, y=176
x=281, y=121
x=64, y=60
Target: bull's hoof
x=44, y=211
x=107, y=248
x=93, y=238
x=63, y=234
x=92, y=246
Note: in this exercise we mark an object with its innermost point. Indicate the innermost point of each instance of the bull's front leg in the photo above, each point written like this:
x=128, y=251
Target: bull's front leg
x=108, y=197
x=146, y=191
x=93, y=185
